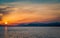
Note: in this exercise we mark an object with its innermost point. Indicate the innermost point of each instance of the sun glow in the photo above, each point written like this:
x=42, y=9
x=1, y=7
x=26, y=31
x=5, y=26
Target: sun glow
x=6, y=22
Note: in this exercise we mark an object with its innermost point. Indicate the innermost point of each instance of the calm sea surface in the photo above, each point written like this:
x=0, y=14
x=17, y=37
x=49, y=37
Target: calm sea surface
x=30, y=32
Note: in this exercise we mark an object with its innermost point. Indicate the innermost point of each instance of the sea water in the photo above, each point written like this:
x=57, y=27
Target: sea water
x=31, y=32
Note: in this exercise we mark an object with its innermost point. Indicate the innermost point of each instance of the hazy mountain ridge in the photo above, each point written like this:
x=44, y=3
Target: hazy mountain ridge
x=35, y=24
x=40, y=24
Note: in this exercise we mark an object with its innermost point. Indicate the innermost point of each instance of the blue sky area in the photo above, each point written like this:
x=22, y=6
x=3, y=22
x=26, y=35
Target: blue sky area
x=34, y=1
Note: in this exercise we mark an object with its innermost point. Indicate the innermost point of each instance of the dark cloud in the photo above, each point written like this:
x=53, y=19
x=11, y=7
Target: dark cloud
x=6, y=10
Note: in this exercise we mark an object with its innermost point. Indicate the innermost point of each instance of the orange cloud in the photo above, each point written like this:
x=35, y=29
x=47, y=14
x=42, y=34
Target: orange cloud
x=32, y=13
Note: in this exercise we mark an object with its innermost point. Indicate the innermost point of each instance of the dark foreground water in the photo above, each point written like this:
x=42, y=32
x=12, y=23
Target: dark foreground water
x=31, y=32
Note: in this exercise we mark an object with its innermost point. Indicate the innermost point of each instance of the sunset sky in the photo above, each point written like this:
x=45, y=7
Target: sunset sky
x=26, y=11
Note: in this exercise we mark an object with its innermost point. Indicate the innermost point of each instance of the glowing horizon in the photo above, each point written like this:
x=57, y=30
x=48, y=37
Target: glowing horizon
x=26, y=12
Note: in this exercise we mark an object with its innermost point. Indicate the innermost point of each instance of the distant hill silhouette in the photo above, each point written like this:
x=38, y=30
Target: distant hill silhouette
x=54, y=24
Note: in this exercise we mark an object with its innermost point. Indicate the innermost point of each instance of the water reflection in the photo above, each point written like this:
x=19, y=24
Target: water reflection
x=31, y=32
